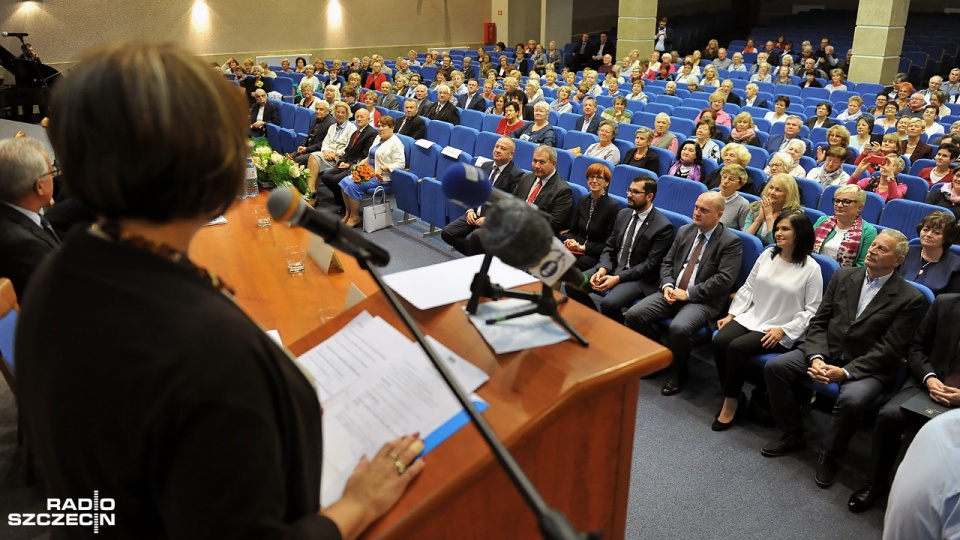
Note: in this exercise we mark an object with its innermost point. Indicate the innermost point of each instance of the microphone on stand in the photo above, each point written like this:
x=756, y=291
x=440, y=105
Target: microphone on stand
x=285, y=205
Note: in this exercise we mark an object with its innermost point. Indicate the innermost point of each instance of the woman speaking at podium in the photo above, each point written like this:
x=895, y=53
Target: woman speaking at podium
x=139, y=378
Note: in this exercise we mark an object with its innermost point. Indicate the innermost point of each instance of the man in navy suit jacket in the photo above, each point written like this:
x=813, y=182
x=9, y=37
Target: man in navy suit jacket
x=459, y=232
x=791, y=130
x=590, y=116
x=623, y=284
x=411, y=124
x=752, y=99
x=271, y=114
x=691, y=296
x=472, y=99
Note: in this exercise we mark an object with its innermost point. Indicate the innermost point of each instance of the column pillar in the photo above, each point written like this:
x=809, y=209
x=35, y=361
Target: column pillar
x=878, y=40
x=500, y=15
x=556, y=22
x=636, y=25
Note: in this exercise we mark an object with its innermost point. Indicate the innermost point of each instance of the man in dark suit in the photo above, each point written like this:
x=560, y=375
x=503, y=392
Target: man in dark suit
x=726, y=88
x=444, y=109
x=423, y=103
x=752, y=99
x=26, y=186
x=261, y=113
x=629, y=267
x=791, y=130
x=318, y=131
x=856, y=339
x=590, y=118
x=411, y=124
x=505, y=175
x=773, y=54
x=387, y=99
x=696, y=277
x=356, y=151
x=935, y=370
x=603, y=48
x=546, y=189
x=582, y=53
x=472, y=99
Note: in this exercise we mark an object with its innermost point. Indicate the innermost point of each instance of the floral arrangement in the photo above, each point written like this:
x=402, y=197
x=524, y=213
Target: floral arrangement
x=278, y=170
x=361, y=172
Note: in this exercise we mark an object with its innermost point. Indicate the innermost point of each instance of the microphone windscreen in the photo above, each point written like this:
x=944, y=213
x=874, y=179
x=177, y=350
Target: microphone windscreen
x=465, y=184
x=282, y=204
x=515, y=232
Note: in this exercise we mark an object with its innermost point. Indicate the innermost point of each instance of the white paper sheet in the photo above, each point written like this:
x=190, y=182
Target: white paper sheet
x=517, y=334
x=448, y=282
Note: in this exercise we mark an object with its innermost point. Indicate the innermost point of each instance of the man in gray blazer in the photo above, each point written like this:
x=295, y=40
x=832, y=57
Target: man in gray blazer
x=856, y=339
x=629, y=267
x=695, y=278
x=387, y=99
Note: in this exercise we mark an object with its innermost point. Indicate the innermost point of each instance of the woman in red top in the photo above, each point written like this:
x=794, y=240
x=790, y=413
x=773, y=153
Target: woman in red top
x=511, y=119
x=884, y=184
x=375, y=78
x=873, y=153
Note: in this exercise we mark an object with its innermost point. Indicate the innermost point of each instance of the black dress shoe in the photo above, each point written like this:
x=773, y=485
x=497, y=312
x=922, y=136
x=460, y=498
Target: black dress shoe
x=741, y=408
x=863, y=498
x=671, y=388
x=827, y=468
x=787, y=443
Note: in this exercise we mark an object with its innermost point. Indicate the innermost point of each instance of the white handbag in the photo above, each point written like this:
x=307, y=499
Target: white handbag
x=378, y=216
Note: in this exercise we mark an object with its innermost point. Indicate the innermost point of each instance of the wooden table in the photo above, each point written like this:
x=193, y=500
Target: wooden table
x=566, y=412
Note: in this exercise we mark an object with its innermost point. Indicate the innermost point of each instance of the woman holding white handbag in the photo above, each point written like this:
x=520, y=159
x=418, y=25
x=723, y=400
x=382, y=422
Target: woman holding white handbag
x=386, y=155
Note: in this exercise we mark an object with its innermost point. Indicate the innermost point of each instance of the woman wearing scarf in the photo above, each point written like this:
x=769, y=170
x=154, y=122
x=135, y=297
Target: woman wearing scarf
x=689, y=161
x=947, y=195
x=743, y=131
x=831, y=173
x=845, y=236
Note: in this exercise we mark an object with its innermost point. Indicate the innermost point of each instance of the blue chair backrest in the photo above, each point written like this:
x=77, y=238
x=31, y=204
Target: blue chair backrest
x=406, y=188
x=485, y=142
x=578, y=173
x=627, y=132
x=568, y=121
x=658, y=107
x=491, y=122
x=523, y=155
x=678, y=194
x=439, y=132
x=273, y=137
x=288, y=140
x=903, y=215
x=758, y=156
x=682, y=125
x=464, y=138
x=559, y=135
x=433, y=204
x=288, y=115
x=921, y=164
x=303, y=120
x=665, y=158
x=579, y=139
x=8, y=326
x=813, y=214
x=917, y=188
x=828, y=267
x=752, y=247
x=678, y=220
x=564, y=163
x=408, y=144
x=423, y=161
x=810, y=192
x=685, y=112
x=471, y=118
x=623, y=175
x=284, y=85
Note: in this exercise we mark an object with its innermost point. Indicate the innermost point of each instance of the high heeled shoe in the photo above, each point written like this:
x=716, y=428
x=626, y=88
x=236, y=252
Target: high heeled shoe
x=717, y=425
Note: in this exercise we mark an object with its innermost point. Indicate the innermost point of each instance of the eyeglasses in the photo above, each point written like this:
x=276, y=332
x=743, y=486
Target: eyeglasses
x=635, y=192
x=843, y=203
x=54, y=172
x=596, y=177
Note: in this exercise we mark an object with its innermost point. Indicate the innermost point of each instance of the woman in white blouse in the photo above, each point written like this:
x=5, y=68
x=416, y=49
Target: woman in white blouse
x=386, y=155
x=605, y=149
x=770, y=312
x=333, y=145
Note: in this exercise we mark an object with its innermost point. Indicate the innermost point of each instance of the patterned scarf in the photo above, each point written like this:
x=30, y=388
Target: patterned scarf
x=948, y=193
x=680, y=170
x=827, y=178
x=849, y=246
x=738, y=135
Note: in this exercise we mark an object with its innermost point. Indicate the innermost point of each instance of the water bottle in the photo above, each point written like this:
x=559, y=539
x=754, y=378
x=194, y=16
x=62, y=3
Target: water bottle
x=250, y=187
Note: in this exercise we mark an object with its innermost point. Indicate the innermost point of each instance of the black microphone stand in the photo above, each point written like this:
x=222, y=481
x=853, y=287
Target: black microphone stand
x=553, y=524
x=544, y=302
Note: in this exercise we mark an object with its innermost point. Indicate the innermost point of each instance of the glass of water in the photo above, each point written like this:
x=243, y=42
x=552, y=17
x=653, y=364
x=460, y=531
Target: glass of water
x=263, y=217
x=295, y=256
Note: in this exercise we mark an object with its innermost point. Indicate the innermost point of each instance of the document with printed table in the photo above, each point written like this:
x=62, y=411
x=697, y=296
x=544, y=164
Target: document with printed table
x=376, y=385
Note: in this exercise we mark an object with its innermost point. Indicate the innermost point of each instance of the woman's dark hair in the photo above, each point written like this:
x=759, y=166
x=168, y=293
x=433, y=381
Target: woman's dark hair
x=711, y=125
x=513, y=104
x=698, y=160
x=894, y=103
x=869, y=120
x=941, y=220
x=803, y=236
x=117, y=127
x=827, y=105
x=953, y=149
x=784, y=99
x=300, y=59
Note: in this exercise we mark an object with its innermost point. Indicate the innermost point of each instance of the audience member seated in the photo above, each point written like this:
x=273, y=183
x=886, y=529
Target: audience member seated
x=930, y=126
x=791, y=131
x=782, y=163
x=334, y=144
x=605, y=149
x=731, y=154
x=810, y=80
x=637, y=93
x=946, y=154
x=913, y=108
x=618, y=113
x=533, y=92
x=822, y=118
x=883, y=183
x=695, y=280
x=737, y=64
x=386, y=155
x=743, y=131
x=318, y=131
x=836, y=81
x=593, y=219
x=854, y=110
x=779, y=112
x=856, y=339
x=499, y=106
x=783, y=76
x=831, y=172
x=845, y=236
x=505, y=175
x=262, y=112
x=947, y=195
x=590, y=120
x=780, y=195
x=762, y=74
x=732, y=179
x=838, y=136
x=562, y=103
x=26, y=187
x=641, y=156
x=354, y=154
x=689, y=163
x=472, y=99
x=539, y=131
x=889, y=118
x=864, y=136
x=444, y=109
x=710, y=78
x=546, y=189
x=705, y=132
x=511, y=119
x=257, y=82
x=932, y=263
x=918, y=507
x=370, y=104
x=770, y=312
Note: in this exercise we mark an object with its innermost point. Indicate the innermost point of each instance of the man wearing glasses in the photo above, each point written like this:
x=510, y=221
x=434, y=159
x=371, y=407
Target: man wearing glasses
x=26, y=186
x=629, y=267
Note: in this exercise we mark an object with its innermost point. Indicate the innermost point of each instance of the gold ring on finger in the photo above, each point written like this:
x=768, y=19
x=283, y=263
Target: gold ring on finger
x=401, y=467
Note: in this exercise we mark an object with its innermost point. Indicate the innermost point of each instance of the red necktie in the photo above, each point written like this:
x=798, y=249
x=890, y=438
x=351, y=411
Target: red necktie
x=355, y=137
x=536, y=190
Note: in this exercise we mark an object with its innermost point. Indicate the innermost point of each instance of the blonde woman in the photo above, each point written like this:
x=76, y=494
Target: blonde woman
x=780, y=194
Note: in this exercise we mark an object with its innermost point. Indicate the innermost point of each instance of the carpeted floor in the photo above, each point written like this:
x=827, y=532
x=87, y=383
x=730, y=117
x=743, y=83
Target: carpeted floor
x=687, y=481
